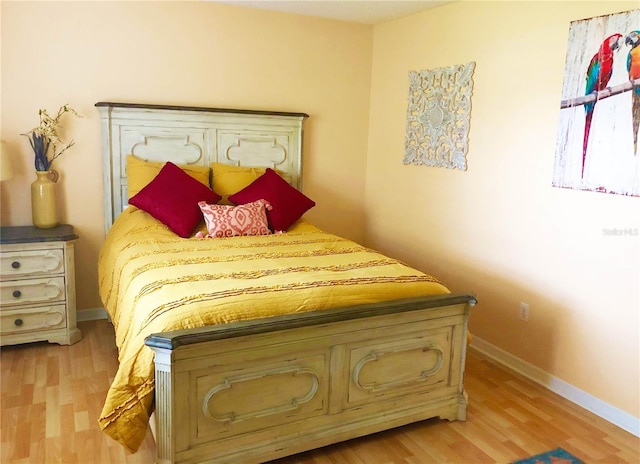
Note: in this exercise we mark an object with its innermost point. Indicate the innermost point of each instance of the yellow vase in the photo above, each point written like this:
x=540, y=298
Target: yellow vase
x=44, y=206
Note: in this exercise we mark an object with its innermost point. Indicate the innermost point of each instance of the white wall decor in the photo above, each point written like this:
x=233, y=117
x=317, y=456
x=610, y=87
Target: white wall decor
x=597, y=144
x=438, y=116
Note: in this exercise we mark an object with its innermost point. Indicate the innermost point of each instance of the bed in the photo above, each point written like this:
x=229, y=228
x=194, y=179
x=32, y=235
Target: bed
x=251, y=348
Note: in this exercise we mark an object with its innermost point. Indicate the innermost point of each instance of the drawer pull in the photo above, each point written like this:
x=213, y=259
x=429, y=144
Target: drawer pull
x=15, y=264
x=18, y=322
x=17, y=293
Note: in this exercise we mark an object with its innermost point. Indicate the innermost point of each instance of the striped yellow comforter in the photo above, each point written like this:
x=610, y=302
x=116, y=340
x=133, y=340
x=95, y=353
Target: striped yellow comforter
x=153, y=281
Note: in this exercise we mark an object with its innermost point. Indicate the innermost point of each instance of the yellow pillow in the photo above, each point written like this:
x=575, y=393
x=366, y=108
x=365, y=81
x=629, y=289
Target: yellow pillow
x=140, y=172
x=227, y=179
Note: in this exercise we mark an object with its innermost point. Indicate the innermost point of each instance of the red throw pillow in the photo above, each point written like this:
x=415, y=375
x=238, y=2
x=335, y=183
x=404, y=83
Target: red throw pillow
x=172, y=198
x=287, y=204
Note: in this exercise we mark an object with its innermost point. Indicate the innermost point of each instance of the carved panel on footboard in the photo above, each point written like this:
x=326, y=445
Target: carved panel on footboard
x=392, y=368
x=237, y=397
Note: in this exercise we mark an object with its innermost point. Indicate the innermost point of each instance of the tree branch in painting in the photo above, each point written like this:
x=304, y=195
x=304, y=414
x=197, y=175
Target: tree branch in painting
x=595, y=96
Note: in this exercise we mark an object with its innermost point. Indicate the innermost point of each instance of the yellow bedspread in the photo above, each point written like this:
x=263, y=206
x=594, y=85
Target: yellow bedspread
x=153, y=281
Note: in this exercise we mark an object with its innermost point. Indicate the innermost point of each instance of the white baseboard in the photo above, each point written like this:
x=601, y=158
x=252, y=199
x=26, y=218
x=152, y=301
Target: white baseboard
x=610, y=413
x=91, y=314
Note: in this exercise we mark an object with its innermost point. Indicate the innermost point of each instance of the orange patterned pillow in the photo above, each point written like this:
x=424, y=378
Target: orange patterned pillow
x=229, y=221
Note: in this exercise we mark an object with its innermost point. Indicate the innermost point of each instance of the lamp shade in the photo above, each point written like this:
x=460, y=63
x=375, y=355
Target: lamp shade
x=6, y=169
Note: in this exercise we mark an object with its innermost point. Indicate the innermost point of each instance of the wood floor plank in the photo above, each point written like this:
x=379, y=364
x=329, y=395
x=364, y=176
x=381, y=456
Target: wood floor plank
x=52, y=395
x=491, y=443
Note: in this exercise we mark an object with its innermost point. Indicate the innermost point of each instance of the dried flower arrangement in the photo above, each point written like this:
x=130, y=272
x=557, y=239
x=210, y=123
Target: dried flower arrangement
x=44, y=138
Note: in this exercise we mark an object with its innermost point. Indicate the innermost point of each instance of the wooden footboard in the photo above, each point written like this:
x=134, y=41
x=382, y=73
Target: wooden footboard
x=259, y=390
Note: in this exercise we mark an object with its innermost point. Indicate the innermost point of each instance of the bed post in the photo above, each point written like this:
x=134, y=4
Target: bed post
x=164, y=413
x=107, y=168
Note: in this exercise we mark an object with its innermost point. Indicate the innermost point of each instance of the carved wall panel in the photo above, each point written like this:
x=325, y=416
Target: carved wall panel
x=438, y=115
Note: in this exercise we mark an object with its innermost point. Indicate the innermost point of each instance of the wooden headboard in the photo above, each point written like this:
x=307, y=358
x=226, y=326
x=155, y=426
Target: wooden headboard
x=195, y=135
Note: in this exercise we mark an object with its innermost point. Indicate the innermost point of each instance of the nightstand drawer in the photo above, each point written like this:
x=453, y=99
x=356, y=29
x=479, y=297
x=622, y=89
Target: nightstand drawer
x=15, y=264
x=17, y=292
x=26, y=320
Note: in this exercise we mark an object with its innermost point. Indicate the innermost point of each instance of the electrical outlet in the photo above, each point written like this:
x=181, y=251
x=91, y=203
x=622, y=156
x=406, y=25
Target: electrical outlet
x=524, y=312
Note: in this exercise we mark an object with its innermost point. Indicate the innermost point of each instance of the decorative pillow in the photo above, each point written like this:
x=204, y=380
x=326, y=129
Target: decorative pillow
x=227, y=179
x=140, y=172
x=288, y=204
x=172, y=198
x=228, y=221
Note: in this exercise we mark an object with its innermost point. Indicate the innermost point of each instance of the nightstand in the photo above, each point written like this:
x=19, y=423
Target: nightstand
x=37, y=285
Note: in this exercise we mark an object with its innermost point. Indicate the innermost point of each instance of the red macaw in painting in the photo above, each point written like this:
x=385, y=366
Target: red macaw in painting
x=633, y=66
x=598, y=75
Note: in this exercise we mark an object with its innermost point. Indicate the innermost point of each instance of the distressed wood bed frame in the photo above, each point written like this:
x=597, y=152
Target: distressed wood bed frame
x=255, y=391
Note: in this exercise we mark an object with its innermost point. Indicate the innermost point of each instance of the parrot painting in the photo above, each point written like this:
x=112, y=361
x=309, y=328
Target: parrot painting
x=598, y=75
x=633, y=66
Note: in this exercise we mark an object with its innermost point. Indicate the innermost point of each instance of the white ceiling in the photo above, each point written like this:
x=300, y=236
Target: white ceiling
x=358, y=11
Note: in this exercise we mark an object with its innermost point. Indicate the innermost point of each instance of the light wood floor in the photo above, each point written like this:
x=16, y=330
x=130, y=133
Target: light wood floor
x=52, y=396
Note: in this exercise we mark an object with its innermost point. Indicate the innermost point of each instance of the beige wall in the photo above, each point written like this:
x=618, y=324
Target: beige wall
x=180, y=53
x=500, y=229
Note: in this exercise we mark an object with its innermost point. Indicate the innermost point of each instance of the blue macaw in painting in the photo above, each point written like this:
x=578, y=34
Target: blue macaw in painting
x=633, y=67
x=598, y=75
